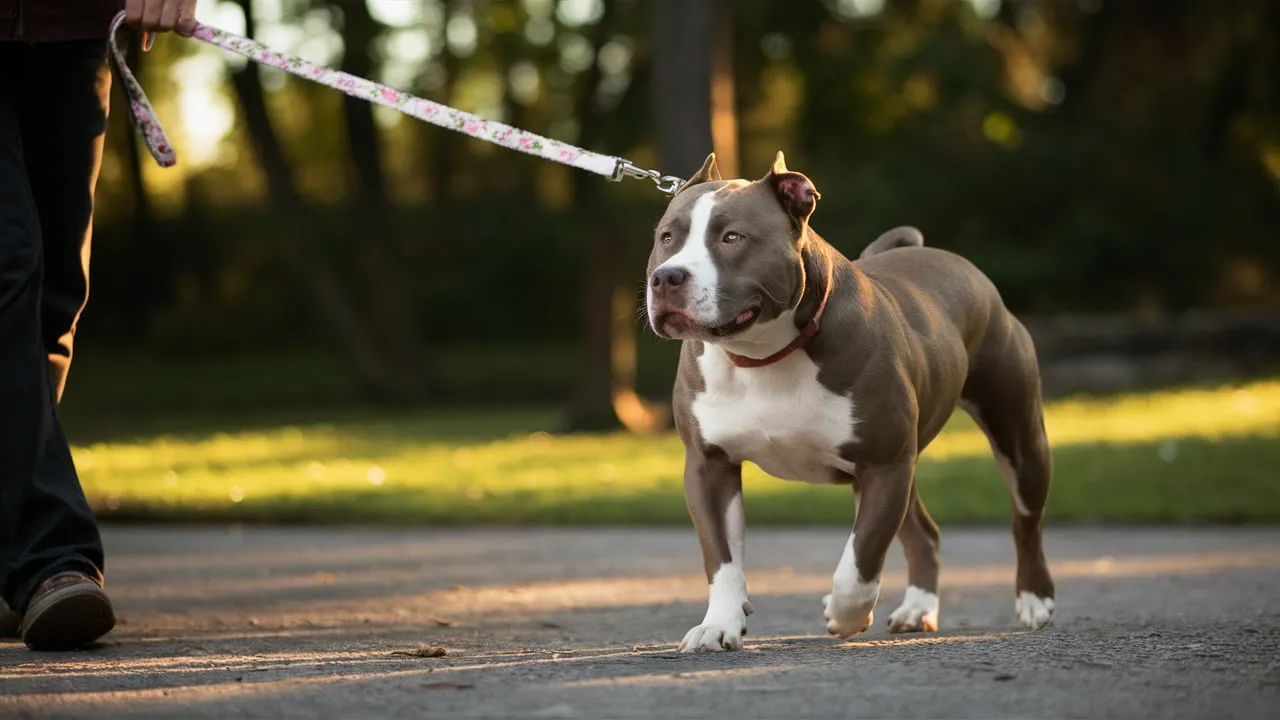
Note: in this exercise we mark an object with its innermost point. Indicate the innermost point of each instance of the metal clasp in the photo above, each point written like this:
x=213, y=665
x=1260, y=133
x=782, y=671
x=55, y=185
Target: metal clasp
x=666, y=184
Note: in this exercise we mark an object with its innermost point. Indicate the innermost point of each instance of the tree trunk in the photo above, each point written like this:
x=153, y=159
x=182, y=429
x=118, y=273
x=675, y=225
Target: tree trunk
x=591, y=407
x=724, y=112
x=332, y=309
x=605, y=397
x=692, y=46
x=439, y=149
x=683, y=37
x=373, y=218
x=505, y=46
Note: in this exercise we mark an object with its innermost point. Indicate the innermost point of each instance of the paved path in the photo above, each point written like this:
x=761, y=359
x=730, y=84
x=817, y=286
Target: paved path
x=540, y=623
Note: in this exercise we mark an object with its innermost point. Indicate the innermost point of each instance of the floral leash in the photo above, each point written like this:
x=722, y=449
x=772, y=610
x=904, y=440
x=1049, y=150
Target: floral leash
x=144, y=116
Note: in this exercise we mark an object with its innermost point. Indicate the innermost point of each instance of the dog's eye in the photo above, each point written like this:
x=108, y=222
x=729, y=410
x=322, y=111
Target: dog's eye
x=665, y=238
x=731, y=238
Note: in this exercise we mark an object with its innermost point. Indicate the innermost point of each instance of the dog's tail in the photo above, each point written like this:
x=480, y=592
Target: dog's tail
x=899, y=237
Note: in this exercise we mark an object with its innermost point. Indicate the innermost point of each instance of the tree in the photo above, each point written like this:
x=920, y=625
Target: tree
x=441, y=152
x=691, y=57
x=683, y=38
x=332, y=308
x=391, y=323
x=594, y=405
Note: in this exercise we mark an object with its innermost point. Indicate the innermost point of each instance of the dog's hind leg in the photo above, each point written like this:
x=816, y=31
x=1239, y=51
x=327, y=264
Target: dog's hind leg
x=919, y=538
x=1002, y=395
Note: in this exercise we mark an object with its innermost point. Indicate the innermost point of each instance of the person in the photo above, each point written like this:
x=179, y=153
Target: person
x=54, y=97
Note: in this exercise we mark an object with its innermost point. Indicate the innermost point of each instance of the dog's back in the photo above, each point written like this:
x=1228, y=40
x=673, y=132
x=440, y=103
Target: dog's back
x=929, y=283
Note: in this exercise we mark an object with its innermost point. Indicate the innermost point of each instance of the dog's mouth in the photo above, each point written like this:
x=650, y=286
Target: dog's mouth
x=744, y=320
x=674, y=323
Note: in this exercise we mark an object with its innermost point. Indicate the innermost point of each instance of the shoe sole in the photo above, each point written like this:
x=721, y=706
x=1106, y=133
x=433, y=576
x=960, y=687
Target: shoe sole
x=67, y=619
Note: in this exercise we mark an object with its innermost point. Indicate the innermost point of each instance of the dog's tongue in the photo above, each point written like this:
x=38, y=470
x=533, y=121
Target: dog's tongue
x=745, y=316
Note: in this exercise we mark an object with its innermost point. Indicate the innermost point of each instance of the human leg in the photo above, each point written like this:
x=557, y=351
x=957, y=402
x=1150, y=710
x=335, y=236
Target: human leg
x=46, y=526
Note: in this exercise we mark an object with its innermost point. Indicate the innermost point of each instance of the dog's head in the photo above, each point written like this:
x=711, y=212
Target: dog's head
x=726, y=259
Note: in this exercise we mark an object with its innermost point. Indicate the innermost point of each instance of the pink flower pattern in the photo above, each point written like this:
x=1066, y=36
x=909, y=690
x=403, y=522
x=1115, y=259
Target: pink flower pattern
x=145, y=119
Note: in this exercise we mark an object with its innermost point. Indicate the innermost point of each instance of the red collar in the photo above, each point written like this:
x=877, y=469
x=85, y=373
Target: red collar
x=803, y=338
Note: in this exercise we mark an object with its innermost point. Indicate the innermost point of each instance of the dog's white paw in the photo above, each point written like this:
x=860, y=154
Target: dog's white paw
x=1034, y=612
x=918, y=612
x=715, y=636
x=725, y=623
x=850, y=611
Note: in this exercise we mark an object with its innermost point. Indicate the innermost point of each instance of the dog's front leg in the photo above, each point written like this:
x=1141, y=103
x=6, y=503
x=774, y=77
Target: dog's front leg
x=713, y=493
x=884, y=493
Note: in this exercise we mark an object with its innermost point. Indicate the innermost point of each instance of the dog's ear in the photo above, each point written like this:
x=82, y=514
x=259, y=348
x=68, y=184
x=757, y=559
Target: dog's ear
x=708, y=173
x=795, y=192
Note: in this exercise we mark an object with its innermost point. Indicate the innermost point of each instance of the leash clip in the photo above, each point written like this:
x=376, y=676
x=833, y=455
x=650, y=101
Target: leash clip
x=666, y=184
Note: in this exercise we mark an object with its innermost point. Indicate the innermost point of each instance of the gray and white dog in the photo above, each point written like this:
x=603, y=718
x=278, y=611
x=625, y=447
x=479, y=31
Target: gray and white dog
x=825, y=370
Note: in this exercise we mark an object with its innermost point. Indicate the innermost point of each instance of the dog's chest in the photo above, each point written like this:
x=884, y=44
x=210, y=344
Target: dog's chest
x=777, y=416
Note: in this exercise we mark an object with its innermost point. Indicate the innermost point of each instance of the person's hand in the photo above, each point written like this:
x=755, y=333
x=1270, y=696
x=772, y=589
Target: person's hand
x=162, y=15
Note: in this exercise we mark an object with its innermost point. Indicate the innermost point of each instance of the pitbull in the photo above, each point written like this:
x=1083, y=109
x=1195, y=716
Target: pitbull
x=823, y=370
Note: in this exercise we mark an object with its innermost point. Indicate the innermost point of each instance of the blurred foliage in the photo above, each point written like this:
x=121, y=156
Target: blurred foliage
x=1090, y=155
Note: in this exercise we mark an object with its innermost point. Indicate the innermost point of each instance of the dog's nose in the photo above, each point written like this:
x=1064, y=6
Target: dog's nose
x=668, y=277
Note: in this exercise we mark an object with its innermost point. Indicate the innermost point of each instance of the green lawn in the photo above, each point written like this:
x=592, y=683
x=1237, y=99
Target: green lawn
x=1195, y=455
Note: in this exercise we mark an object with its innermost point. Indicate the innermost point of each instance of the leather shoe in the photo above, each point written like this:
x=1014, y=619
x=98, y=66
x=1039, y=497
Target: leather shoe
x=68, y=610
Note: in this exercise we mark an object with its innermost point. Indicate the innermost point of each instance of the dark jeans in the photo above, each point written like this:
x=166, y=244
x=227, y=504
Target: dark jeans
x=53, y=110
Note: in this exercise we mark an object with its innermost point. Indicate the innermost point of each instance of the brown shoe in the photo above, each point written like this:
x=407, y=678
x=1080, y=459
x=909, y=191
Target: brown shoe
x=9, y=622
x=68, y=611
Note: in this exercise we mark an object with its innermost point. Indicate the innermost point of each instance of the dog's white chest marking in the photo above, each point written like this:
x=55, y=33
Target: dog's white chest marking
x=777, y=416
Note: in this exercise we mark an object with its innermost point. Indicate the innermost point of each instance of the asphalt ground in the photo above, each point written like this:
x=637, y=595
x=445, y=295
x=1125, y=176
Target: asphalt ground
x=277, y=622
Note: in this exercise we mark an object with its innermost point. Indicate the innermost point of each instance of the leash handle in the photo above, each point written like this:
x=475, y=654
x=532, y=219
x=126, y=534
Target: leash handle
x=144, y=116
x=140, y=110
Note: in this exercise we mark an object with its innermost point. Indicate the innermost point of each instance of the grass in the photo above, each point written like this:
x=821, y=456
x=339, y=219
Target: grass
x=504, y=374
x=1190, y=455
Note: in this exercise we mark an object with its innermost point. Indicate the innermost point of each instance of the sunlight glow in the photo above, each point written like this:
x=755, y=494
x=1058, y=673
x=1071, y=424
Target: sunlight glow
x=319, y=42
x=207, y=114
x=539, y=8
x=396, y=13
x=615, y=56
x=577, y=13
x=851, y=9
x=985, y=9
x=576, y=54
x=322, y=458
x=225, y=15
x=540, y=31
x=461, y=34
x=406, y=53
x=525, y=82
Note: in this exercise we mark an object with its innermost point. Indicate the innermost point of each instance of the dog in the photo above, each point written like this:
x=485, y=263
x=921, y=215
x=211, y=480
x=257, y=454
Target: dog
x=824, y=370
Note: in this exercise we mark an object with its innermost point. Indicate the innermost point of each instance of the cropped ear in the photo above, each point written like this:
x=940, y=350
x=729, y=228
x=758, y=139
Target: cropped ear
x=708, y=173
x=795, y=192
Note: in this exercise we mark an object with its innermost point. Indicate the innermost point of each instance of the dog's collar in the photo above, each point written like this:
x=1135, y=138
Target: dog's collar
x=801, y=340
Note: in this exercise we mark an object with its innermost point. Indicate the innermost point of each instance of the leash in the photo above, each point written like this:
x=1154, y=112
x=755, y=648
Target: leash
x=145, y=120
